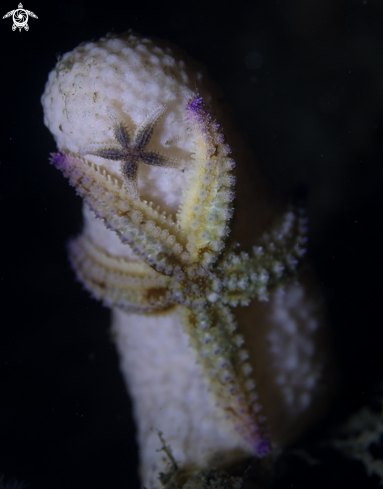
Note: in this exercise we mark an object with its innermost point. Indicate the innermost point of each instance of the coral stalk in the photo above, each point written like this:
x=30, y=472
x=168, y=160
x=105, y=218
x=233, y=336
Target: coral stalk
x=216, y=328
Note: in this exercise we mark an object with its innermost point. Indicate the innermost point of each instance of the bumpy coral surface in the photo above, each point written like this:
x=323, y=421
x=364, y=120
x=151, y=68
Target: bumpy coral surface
x=216, y=332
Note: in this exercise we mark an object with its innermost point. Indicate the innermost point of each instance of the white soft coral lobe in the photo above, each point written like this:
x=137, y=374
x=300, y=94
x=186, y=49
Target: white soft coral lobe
x=133, y=77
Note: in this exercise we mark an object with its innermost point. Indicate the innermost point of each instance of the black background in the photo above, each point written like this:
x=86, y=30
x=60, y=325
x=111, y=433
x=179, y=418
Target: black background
x=313, y=113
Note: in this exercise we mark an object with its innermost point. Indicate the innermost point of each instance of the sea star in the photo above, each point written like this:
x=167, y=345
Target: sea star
x=186, y=263
x=132, y=152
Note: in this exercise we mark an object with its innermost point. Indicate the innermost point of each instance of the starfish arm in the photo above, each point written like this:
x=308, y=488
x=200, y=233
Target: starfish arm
x=153, y=236
x=130, y=286
x=206, y=208
x=119, y=129
x=154, y=158
x=122, y=135
x=213, y=334
x=272, y=262
x=146, y=131
x=114, y=154
x=129, y=171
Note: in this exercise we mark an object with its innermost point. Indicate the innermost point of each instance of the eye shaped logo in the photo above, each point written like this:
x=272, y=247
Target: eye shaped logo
x=20, y=17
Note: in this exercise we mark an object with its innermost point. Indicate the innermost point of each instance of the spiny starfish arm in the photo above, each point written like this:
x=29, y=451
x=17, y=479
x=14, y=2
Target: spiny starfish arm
x=273, y=260
x=145, y=132
x=129, y=170
x=205, y=210
x=130, y=286
x=114, y=154
x=120, y=132
x=212, y=331
x=155, y=237
x=154, y=158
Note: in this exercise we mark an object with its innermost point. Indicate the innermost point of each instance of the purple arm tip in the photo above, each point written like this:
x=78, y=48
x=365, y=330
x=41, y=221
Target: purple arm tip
x=57, y=159
x=263, y=447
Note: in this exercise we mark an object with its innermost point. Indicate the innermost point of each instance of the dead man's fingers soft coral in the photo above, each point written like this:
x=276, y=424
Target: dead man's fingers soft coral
x=218, y=325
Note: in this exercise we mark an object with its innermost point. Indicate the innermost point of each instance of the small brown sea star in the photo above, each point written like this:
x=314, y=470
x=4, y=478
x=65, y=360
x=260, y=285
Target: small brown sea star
x=132, y=151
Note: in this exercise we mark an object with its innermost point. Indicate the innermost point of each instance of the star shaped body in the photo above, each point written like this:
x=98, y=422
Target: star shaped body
x=132, y=151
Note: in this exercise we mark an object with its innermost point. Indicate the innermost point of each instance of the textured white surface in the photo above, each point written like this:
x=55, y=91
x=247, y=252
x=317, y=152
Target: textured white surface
x=171, y=395
x=287, y=343
x=293, y=324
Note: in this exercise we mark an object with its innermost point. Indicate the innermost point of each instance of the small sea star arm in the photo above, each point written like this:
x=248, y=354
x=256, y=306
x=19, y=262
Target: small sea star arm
x=213, y=333
x=153, y=236
x=119, y=129
x=130, y=286
x=206, y=207
x=274, y=259
x=145, y=132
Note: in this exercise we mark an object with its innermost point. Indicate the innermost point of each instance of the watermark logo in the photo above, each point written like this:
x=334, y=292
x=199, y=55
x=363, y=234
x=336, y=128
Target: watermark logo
x=20, y=18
